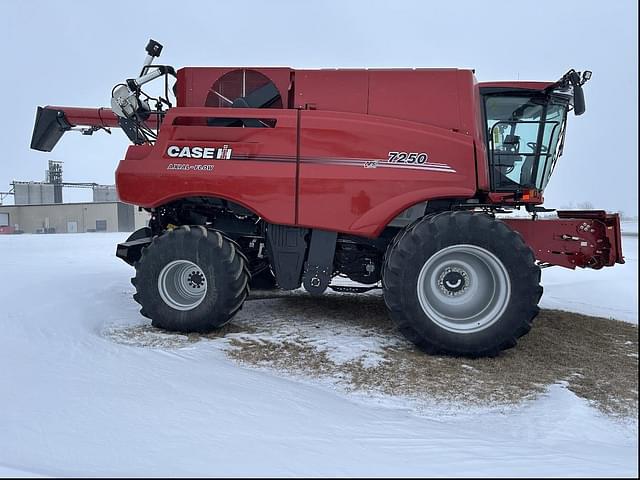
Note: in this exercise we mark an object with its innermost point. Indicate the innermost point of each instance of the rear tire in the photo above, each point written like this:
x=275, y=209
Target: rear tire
x=461, y=283
x=191, y=279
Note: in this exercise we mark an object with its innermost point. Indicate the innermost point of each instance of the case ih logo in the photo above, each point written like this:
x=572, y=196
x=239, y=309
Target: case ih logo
x=221, y=153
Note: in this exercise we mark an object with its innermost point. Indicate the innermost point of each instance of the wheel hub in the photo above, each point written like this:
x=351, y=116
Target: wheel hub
x=463, y=288
x=453, y=281
x=182, y=285
x=196, y=279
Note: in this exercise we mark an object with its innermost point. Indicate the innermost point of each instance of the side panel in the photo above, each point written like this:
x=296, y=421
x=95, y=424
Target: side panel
x=347, y=182
x=335, y=90
x=429, y=96
x=257, y=169
x=482, y=157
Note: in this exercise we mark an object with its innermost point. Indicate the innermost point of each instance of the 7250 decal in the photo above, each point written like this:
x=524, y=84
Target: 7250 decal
x=419, y=158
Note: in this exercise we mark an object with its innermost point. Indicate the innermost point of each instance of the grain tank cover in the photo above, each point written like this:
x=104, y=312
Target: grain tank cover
x=443, y=97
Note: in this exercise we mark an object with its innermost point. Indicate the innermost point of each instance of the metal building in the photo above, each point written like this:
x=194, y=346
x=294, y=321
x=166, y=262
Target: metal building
x=31, y=193
x=72, y=218
x=105, y=193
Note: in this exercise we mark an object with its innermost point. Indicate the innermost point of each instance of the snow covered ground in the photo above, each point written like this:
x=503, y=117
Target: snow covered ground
x=609, y=293
x=629, y=227
x=76, y=402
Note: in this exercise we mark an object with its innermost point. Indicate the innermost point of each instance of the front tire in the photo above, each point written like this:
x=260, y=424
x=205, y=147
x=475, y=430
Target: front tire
x=191, y=279
x=462, y=283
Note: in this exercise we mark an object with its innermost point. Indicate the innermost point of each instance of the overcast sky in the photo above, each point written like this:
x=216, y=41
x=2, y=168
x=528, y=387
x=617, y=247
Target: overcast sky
x=71, y=53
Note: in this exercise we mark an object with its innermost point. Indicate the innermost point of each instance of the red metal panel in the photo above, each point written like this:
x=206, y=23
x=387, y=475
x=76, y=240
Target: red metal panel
x=337, y=90
x=465, y=82
x=479, y=135
x=265, y=187
x=610, y=221
x=336, y=191
x=96, y=117
x=339, y=190
x=426, y=96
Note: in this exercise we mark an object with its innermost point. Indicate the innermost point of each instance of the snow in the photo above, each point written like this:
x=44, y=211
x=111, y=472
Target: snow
x=74, y=402
x=609, y=293
x=629, y=227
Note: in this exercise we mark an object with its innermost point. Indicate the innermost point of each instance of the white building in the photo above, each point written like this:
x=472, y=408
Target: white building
x=72, y=217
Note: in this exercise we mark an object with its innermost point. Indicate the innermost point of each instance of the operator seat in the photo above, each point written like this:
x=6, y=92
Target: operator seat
x=504, y=161
x=526, y=171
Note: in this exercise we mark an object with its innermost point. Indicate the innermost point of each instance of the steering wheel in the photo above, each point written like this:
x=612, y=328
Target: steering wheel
x=534, y=146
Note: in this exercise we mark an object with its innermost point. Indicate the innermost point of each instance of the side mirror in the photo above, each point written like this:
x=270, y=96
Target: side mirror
x=577, y=81
x=578, y=100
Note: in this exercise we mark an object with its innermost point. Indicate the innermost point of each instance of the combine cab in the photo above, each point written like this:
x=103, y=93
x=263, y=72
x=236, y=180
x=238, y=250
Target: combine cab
x=397, y=179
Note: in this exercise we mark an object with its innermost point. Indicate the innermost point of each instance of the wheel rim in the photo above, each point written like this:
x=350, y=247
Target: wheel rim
x=182, y=285
x=464, y=288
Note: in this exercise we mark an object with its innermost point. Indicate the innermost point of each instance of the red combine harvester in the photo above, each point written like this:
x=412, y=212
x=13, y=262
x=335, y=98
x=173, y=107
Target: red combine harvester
x=274, y=177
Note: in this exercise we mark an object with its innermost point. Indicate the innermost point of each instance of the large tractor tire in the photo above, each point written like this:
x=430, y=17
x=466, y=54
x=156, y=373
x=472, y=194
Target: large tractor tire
x=461, y=283
x=191, y=279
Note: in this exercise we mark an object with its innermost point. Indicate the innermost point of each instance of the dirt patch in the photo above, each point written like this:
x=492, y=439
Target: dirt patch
x=596, y=357
x=350, y=341
x=151, y=337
